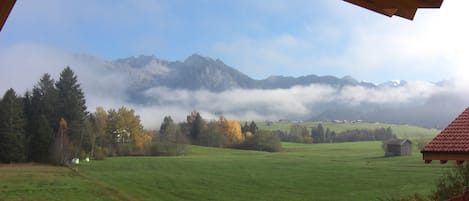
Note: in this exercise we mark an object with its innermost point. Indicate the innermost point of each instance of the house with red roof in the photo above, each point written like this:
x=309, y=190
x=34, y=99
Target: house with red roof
x=450, y=144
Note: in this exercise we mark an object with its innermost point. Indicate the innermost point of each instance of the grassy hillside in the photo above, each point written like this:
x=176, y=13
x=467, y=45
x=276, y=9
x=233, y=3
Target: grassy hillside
x=341, y=171
x=48, y=183
x=402, y=131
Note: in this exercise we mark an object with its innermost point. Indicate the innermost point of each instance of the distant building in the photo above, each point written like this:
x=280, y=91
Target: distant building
x=398, y=147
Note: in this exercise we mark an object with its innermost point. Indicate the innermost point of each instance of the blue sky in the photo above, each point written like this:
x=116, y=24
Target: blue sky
x=257, y=37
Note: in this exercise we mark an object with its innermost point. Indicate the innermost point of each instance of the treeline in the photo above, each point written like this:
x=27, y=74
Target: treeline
x=215, y=133
x=50, y=124
x=301, y=134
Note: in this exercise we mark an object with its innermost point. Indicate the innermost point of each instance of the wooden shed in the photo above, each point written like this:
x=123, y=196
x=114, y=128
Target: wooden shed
x=398, y=147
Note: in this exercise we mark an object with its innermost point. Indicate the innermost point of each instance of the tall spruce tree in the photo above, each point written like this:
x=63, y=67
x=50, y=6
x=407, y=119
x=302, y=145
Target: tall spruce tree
x=196, y=128
x=71, y=106
x=253, y=127
x=42, y=118
x=12, y=125
x=41, y=141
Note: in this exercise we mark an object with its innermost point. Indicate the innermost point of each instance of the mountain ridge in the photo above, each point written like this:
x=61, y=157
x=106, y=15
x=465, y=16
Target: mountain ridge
x=200, y=72
x=204, y=83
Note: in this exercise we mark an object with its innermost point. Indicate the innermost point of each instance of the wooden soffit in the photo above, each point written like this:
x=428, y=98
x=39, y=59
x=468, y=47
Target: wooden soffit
x=401, y=8
x=5, y=8
x=445, y=157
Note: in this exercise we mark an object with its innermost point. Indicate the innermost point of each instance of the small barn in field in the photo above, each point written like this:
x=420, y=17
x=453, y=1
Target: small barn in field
x=398, y=147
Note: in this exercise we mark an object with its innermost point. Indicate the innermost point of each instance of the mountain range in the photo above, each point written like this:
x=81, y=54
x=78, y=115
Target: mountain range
x=209, y=80
x=198, y=72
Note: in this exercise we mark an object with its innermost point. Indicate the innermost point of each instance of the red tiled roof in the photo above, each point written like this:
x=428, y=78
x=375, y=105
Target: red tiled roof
x=454, y=138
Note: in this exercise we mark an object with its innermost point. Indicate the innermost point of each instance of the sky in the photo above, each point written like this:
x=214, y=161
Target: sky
x=258, y=37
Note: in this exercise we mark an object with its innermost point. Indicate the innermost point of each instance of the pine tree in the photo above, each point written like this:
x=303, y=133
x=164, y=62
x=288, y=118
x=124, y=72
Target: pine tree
x=42, y=118
x=196, y=128
x=245, y=128
x=253, y=127
x=71, y=106
x=167, y=128
x=12, y=124
x=47, y=93
x=320, y=138
x=42, y=140
x=318, y=134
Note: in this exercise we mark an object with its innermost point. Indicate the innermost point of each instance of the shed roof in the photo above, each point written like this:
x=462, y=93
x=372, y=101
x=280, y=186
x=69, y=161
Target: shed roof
x=397, y=141
x=401, y=8
x=452, y=143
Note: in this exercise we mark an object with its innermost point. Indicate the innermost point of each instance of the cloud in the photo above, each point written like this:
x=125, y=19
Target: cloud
x=106, y=84
x=349, y=40
x=299, y=102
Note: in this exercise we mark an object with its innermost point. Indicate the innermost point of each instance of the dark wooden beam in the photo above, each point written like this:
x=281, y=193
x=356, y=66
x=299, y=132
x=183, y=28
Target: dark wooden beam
x=446, y=156
x=402, y=8
x=459, y=162
x=443, y=161
x=5, y=8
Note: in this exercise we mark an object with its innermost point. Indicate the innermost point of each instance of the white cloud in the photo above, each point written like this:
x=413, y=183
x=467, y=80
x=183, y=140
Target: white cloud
x=299, y=102
x=353, y=41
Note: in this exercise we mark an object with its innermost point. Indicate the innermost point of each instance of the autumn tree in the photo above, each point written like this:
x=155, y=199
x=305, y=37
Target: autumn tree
x=61, y=150
x=231, y=131
x=124, y=127
x=99, y=122
x=11, y=128
x=112, y=129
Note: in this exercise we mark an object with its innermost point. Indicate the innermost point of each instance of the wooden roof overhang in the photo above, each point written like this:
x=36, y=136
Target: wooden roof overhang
x=401, y=8
x=444, y=157
x=5, y=8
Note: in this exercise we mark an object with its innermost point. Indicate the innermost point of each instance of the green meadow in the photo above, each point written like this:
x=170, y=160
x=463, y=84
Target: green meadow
x=340, y=171
x=402, y=131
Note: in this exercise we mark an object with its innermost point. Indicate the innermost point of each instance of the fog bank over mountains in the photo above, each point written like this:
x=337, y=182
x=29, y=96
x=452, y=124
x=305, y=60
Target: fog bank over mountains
x=156, y=88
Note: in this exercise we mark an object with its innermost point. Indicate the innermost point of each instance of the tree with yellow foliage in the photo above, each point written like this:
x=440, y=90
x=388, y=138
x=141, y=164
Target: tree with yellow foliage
x=231, y=130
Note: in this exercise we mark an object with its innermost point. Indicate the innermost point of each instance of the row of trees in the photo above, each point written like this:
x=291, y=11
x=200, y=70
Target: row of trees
x=50, y=124
x=300, y=134
x=216, y=133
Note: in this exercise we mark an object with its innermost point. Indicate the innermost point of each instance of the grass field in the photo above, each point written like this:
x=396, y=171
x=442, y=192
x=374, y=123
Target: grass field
x=402, y=131
x=341, y=171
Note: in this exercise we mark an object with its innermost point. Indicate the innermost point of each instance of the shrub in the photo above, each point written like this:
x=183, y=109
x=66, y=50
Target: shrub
x=453, y=183
x=263, y=140
x=100, y=153
x=124, y=149
x=166, y=149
